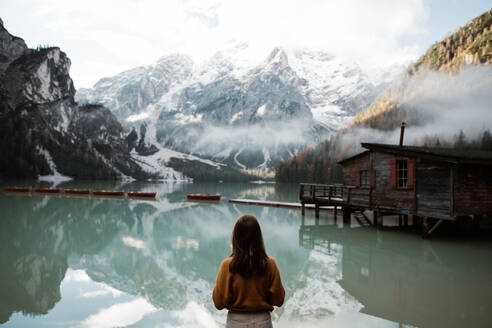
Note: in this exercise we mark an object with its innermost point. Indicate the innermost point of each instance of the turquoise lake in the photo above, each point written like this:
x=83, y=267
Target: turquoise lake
x=96, y=262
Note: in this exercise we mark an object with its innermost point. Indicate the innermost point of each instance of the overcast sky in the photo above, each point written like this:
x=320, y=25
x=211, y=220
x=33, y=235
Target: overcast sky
x=103, y=38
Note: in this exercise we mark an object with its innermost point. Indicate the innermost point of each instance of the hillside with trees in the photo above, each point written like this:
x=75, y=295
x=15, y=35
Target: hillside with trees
x=469, y=45
x=468, y=50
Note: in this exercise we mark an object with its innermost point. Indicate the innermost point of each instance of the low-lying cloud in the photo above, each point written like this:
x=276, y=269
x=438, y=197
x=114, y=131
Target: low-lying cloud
x=442, y=104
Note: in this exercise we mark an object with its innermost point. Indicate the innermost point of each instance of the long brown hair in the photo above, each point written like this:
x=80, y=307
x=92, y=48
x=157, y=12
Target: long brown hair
x=248, y=249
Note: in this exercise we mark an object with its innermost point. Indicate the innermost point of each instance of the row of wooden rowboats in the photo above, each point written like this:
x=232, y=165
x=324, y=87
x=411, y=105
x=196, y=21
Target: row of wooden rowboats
x=79, y=192
x=112, y=193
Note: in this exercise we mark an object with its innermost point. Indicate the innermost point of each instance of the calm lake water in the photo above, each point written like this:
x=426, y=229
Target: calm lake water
x=91, y=262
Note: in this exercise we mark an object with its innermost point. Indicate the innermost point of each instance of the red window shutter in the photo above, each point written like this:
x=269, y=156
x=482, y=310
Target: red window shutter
x=357, y=179
x=393, y=176
x=411, y=173
x=373, y=179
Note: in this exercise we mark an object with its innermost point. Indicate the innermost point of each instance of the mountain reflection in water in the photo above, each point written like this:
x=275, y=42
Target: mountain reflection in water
x=94, y=257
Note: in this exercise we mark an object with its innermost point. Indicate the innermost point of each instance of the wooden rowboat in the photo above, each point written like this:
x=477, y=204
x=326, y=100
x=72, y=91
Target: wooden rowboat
x=78, y=191
x=48, y=190
x=17, y=189
x=108, y=193
x=142, y=194
x=203, y=196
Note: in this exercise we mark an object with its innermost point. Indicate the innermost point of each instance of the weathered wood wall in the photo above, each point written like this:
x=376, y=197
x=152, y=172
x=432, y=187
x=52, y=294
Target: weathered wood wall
x=352, y=168
x=473, y=190
x=433, y=189
x=383, y=195
x=360, y=196
x=432, y=194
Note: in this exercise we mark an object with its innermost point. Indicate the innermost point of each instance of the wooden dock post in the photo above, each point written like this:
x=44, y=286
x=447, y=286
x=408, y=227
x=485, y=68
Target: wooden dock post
x=346, y=214
x=316, y=211
x=416, y=222
x=425, y=227
x=380, y=221
x=303, y=209
x=335, y=211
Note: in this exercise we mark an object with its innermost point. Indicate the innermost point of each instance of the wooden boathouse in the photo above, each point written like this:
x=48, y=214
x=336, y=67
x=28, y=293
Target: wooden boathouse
x=430, y=184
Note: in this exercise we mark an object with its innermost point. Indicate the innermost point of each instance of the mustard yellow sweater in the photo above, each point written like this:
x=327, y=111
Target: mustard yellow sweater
x=240, y=294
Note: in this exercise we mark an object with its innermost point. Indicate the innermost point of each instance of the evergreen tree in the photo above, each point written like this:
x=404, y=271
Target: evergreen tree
x=486, y=142
x=460, y=141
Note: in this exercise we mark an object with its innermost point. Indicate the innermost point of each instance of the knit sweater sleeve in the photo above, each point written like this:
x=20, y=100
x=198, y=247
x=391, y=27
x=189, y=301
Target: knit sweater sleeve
x=276, y=290
x=222, y=293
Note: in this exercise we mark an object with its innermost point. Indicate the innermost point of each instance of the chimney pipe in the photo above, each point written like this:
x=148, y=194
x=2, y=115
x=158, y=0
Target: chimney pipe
x=402, y=133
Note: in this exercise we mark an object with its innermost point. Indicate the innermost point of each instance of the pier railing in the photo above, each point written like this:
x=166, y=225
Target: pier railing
x=309, y=192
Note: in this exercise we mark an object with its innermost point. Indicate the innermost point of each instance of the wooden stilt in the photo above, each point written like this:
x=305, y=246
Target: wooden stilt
x=303, y=209
x=316, y=211
x=416, y=222
x=380, y=221
x=405, y=220
x=400, y=220
x=425, y=227
x=346, y=215
x=434, y=227
x=375, y=218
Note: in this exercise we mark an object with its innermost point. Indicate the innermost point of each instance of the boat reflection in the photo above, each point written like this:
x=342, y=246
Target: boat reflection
x=166, y=251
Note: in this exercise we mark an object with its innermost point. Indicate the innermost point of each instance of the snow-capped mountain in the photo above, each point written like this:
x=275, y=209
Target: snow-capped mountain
x=233, y=109
x=335, y=89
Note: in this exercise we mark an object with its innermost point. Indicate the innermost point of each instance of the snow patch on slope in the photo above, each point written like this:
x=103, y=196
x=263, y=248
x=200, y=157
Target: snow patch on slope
x=267, y=159
x=156, y=163
x=261, y=110
x=137, y=117
x=236, y=161
x=331, y=115
x=56, y=178
x=44, y=75
x=321, y=295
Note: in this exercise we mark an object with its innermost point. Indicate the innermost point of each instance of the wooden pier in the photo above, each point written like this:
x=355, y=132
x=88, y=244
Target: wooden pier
x=348, y=198
x=277, y=204
x=336, y=202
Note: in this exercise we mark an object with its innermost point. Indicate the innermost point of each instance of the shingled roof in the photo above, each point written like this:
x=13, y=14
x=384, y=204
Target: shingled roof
x=441, y=154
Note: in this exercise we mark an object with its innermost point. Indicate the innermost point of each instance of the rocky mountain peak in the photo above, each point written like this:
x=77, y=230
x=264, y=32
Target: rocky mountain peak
x=173, y=59
x=42, y=130
x=278, y=59
x=278, y=55
x=40, y=76
x=11, y=47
